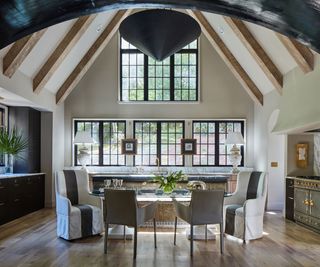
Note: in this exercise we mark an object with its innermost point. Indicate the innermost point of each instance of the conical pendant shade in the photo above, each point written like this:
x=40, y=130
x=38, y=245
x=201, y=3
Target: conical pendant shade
x=159, y=33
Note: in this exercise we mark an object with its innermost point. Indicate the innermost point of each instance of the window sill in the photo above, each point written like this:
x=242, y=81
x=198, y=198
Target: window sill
x=158, y=102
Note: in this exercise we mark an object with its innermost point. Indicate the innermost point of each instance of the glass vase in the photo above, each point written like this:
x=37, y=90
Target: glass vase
x=168, y=188
x=10, y=164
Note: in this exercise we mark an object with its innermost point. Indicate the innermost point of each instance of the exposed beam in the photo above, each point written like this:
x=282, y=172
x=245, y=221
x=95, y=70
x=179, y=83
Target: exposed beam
x=257, y=52
x=228, y=57
x=300, y=53
x=19, y=51
x=90, y=56
x=61, y=51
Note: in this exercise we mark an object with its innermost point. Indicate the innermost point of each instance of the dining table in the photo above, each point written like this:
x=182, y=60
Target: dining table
x=145, y=196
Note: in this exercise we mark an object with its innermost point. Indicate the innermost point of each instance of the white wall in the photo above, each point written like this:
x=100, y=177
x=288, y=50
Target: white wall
x=299, y=105
x=96, y=96
x=21, y=86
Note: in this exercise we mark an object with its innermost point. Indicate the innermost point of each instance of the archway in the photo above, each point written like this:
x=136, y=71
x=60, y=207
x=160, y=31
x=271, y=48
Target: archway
x=295, y=18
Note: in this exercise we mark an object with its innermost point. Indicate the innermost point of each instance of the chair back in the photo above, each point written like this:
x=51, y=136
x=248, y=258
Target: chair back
x=207, y=206
x=120, y=207
x=73, y=184
x=251, y=185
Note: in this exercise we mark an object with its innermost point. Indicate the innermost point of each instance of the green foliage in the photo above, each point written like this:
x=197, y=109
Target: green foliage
x=168, y=183
x=12, y=142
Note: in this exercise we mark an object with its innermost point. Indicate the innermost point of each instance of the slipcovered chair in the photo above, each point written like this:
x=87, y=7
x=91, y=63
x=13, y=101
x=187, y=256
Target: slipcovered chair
x=121, y=208
x=206, y=207
x=78, y=213
x=244, y=209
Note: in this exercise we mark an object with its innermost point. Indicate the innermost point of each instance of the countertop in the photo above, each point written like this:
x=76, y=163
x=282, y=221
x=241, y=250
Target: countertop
x=16, y=175
x=206, y=177
x=306, y=177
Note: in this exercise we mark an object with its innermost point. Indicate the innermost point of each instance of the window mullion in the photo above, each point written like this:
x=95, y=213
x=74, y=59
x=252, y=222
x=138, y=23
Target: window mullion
x=146, y=76
x=100, y=143
x=159, y=142
x=216, y=144
x=172, y=78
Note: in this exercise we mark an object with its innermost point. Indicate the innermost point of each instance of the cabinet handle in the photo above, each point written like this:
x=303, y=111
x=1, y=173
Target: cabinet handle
x=290, y=198
x=311, y=203
x=306, y=202
x=17, y=200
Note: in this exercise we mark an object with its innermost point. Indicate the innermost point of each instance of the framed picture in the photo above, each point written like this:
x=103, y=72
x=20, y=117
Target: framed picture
x=302, y=155
x=188, y=146
x=129, y=146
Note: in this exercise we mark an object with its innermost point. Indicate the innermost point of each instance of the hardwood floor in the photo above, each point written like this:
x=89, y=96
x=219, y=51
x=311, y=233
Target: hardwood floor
x=32, y=241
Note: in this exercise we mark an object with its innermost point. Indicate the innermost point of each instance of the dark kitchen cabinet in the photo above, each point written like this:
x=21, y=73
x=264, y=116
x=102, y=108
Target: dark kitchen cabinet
x=20, y=196
x=28, y=122
x=290, y=199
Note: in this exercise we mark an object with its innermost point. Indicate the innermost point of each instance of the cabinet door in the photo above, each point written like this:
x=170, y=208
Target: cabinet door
x=315, y=203
x=16, y=198
x=300, y=195
x=4, y=195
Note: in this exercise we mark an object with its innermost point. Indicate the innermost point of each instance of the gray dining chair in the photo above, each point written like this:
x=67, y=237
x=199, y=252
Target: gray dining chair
x=121, y=208
x=206, y=207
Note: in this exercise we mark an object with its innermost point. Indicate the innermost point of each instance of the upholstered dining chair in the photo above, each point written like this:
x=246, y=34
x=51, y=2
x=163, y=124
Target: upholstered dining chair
x=206, y=207
x=121, y=208
x=79, y=214
x=244, y=209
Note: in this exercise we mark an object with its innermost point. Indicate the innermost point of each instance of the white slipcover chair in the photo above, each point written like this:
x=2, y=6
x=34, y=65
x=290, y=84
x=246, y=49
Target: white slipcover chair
x=78, y=213
x=244, y=209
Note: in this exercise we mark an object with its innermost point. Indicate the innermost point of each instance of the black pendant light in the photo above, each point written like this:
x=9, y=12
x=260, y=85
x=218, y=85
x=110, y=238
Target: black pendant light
x=159, y=33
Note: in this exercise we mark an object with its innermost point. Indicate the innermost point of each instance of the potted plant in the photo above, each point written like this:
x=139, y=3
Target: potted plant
x=12, y=143
x=168, y=183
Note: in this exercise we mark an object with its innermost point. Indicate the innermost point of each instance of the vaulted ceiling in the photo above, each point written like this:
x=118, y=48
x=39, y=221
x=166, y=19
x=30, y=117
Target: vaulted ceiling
x=56, y=58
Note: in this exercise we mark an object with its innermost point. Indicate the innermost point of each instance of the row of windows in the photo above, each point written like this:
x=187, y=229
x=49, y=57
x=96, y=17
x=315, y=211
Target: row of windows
x=144, y=79
x=159, y=140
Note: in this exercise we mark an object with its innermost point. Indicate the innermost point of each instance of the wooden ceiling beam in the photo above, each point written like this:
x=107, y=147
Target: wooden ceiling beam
x=257, y=52
x=300, y=53
x=60, y=53
x=228, y=57
x=89, y=58
x=19, y=51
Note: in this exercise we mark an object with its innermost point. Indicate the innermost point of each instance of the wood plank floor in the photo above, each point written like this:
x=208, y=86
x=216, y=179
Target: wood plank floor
x=32, y=241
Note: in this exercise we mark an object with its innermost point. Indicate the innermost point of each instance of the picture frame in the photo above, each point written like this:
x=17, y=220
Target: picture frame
x=302, y=155
x=129, y=146
x=188, y=146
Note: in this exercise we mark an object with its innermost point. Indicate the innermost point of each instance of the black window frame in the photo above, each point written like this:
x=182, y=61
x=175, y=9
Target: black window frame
x=159, y=140
x=172, y=75
x=100, y=141
x=217, y=142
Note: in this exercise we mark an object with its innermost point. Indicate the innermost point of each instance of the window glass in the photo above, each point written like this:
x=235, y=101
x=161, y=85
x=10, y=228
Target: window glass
x=144, y=79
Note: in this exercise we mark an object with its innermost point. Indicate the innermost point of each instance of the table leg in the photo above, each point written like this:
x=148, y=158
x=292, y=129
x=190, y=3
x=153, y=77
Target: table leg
x=201, y=232
x=121, y=232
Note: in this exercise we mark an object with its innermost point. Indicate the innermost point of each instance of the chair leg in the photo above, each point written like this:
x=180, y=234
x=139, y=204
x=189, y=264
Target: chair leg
x=191, y=240
x=135, y=243
x=106, y=238
x=206, y=232
x=155, y=232
x=221, y=239
x=175, y=230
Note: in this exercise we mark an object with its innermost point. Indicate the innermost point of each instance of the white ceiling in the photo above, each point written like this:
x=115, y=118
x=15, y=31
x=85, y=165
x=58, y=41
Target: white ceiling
x=267, y=39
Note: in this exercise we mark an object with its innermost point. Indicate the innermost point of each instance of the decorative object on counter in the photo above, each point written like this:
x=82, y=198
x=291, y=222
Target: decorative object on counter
x=12, y=143
x=169, y=182
x=302, y=155
x=196, y=185
x=188, y=146
x=129, y=146
x=82, y=139
x=235, y=138
x=159, y=33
